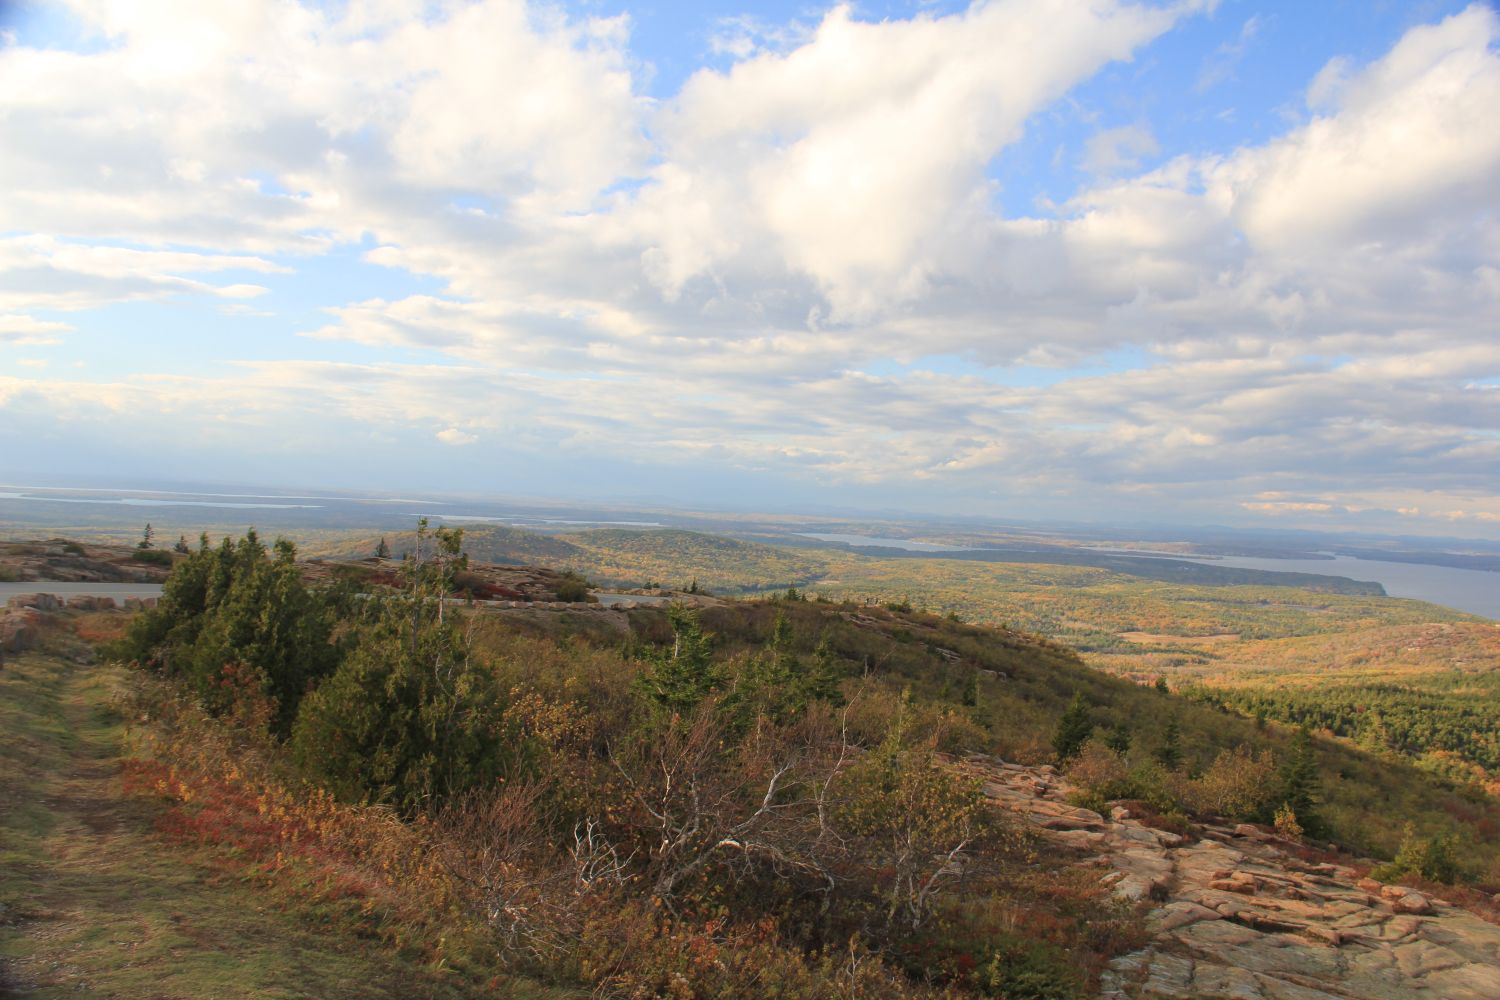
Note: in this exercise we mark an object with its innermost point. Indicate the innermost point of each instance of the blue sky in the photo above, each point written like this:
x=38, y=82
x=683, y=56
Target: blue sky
x=1229, y=262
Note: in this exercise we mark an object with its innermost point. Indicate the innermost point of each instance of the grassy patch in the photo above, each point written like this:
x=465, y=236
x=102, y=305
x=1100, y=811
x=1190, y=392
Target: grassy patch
x=92, y=900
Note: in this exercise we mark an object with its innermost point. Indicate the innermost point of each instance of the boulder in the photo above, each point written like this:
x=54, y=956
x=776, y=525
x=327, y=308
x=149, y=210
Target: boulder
x=87, y=602
x=1412, y=902
x=20, y=629
x=42, y=602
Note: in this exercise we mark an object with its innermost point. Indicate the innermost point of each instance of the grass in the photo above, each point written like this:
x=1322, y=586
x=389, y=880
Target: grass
x=93, y=901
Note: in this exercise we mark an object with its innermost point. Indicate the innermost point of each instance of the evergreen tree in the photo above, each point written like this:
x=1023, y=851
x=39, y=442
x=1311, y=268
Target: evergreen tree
x=1073, y=729
x=1299, y=783
x=1169, y=754
x=145, y=542
x=237, y=605
x=383, y=550
x=970, y=696
x=679, y=678
x=408, y=718
x=778, y=683
x=182, y=545
x=1118, y=739
x=824, y=676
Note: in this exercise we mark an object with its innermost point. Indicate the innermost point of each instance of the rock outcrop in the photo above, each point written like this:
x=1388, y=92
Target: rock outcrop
x=1234, y=915
x=19, y=629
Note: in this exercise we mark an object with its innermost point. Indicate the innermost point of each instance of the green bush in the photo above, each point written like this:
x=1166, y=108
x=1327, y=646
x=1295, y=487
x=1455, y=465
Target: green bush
x=572, y=587
x=1027, y=970
x=1433, y=859
x=406, y=720
x=153, y=557
x=236, y=604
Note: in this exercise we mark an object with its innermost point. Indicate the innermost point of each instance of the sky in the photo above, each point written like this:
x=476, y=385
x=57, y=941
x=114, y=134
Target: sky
x=1233, y=262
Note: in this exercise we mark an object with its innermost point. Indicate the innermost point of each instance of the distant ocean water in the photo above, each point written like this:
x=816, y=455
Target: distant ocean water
x=1476, y=591
x=1472, y=590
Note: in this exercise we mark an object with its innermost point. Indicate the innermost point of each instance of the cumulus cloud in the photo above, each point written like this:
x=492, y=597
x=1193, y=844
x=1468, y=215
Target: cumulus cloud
x=795, y=264
x=858, y=157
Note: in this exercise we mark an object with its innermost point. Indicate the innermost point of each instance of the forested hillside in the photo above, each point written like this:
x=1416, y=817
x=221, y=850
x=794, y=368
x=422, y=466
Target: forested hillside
x=747, y=798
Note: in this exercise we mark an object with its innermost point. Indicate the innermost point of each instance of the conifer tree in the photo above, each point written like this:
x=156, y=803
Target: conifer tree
x=679, y=678
x=1073, y=729
x=778, y=683
x=238, y=605
x=409, y=718
x=1169, y=754
x=1299, y=783
x=1118, y=739
x=824, y=676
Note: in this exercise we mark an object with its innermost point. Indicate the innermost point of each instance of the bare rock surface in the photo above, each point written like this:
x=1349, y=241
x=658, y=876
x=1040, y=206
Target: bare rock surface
x=1235, y=916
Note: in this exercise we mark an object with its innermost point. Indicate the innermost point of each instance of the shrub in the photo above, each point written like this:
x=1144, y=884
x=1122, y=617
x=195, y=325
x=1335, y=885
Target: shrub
x=237, y=604
x=153, y=557
x=1098, y=770
x=1239, y=784
x=407, y=719
x=1286, y=822
x=916, y=819
x=1026, y=970
x=635, y=950
x=572, y=587
x=1433, y=859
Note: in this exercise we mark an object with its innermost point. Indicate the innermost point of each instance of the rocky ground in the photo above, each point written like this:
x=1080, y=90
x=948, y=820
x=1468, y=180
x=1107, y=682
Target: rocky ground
x=61, y=560
x=1237, y=914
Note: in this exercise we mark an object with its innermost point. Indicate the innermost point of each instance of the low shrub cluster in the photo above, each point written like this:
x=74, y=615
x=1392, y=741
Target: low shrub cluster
x=1240, y=785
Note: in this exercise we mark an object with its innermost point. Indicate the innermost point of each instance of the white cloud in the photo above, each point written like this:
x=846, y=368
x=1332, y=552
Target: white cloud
x=1400, y=155
x=857, y=158
x=716, y=277
x=25, y=331
x=456, y=437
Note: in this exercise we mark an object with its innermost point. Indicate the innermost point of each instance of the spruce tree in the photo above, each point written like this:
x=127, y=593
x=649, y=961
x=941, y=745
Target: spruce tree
x=824, y=676
x=1299, y=783
x=679, y=678
x=1118, y=739
x=1073, y=729
x=1169, y=754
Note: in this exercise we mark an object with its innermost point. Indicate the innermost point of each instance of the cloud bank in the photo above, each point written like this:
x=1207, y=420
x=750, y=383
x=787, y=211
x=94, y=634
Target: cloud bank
x=793, y=266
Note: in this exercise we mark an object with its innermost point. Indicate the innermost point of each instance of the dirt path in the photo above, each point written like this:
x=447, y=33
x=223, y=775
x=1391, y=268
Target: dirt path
x=93, y=903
